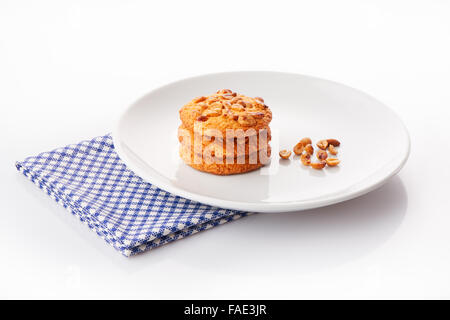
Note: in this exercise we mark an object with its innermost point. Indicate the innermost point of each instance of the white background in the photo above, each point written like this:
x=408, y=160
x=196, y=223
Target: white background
x=67, y=69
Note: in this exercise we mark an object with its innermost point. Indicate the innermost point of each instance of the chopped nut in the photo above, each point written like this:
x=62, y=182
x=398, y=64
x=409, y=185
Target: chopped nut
x=333, y=162
x=322, y=144
x=298, y=148
x=321, y=155
x=216, y=105
x=332, y=150
x=309, y=149
x=223, y=91
x=202, y=118
x=285, y=154
x=260, y=99
x=318, y=165
x=199, y=99
x=333, y=142
x=203, y=105
x=306, y=141
x=231, y=115
x=237, y=107
x=226, y=104
x=246, y=120
x=212, y=112
x=257, y=115
x=244, y=103
x=305, y=159
x=227, y=96
x=266, y=106
x=235, y=100
x=212, y=100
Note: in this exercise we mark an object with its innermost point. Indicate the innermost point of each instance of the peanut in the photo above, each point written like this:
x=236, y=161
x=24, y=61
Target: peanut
x=305, y=158
x=332, y=150
x=318, y=165
x=333, y=142
x=202, y=118
x=333, y=162
x=298, y=148
x=306, y=141
x=309, y=149
x=322, y=144
x=257, y=115
x=212, y=112
x=321, y=155
x=199, y=99
x=226, y=104
x=285, y=154
x=244, y=103
x=216, y=105
x=246, y=120
x=235, y=100
x=237, y=107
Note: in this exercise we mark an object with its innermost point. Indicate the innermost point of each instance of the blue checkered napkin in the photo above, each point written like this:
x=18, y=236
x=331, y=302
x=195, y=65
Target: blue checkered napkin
x=92, y=182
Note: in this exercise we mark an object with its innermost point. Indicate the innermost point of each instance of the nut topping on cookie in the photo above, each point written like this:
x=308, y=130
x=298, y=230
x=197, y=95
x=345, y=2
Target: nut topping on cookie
x=246, y=120
x=235, y=100
x=216, y=105
x=199, y=99
x=257, y=115
x=242, y=103
x=237, y=107
x=212, y=112
x=202, y=118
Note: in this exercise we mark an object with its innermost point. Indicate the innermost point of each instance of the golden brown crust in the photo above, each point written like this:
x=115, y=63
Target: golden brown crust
x=249, y=132
x=221, y=169
x=221, y=154
x=219, y=147
x=218, y=168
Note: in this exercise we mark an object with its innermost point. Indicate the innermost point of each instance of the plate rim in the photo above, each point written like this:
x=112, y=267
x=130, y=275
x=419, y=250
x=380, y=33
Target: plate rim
x=287, y=206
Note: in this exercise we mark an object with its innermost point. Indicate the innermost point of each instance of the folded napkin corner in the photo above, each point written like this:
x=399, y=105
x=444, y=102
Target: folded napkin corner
x=132, y=215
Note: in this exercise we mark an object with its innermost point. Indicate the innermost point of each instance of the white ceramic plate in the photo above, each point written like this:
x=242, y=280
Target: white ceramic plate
x=375, y=143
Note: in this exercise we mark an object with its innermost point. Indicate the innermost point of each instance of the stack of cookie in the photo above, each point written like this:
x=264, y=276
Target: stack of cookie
x=225, y=133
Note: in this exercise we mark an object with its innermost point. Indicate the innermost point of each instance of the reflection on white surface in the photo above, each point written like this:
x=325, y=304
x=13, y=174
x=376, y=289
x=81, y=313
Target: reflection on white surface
x=300, y=242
